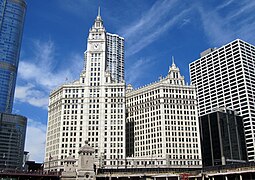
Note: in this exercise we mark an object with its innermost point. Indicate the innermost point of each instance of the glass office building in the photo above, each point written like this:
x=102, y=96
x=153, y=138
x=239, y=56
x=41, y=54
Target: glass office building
x=12, y=14
x=12, y=127
x=12, y=141
x=115, y=56
x=225, y=77
x=222, y=138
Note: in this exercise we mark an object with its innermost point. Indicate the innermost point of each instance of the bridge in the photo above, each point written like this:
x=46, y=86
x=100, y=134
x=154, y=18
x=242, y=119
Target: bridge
x=25, y=175
x=242, y=171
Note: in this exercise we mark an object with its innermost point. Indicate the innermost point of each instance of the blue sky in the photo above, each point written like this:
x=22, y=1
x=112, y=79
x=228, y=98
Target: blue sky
x=55, y=37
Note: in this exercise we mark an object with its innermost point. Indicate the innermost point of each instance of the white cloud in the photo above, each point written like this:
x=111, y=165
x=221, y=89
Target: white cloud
x=185, y=21
x=43, y=75
x=214, y=28
x=149, y=20
x=221, y=27
x=159, y=19
x=225, y=4
x=137, y=70
x=31, y=95
x=42, y=69
x=152, y=24
x=150, y=37
x=39, y=73
x=35, y=140
x=244, y=8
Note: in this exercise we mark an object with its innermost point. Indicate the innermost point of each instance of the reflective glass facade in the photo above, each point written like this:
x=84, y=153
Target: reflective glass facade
x=115, y=56
x=12, y=13
x=12, y=141
x=222, y=138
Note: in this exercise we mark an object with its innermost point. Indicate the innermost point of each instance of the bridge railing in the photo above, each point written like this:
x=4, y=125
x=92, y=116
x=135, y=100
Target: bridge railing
x=45, y=173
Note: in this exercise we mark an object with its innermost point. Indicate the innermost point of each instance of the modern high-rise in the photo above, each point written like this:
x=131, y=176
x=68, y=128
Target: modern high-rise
x=115, y=56
x=12, y=127
x=225, y=77
x=12, y=14
x=92, y=108
x=222, y=138
x=12, y=141
x=162, y=124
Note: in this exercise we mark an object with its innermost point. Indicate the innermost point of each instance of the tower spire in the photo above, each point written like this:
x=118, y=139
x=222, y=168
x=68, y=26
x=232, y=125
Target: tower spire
x=98, y=21
x=98, y=13
x=173, y=60
x=173, y=64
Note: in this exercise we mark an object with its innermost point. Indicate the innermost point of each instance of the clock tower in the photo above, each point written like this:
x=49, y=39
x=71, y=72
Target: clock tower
x=96, y=53
x=92, y=108
x=104, y=98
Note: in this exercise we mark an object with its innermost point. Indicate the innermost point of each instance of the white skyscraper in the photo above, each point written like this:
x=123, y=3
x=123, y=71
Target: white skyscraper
x=162, y=124
x=92, y=108
x=225, y=77
x=115, y=56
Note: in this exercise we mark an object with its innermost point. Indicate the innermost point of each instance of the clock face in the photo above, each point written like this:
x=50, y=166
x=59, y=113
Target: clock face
x=96, y=46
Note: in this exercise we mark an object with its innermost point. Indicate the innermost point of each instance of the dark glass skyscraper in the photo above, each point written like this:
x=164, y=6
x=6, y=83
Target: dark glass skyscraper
x=12, y=127
x=12, y=14
x=225, y=77
x=222, y=138
x=12, y=141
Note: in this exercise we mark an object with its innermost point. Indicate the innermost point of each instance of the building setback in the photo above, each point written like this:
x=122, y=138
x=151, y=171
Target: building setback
x=162, y=124
x=225, y=77
x=11, y=28
x=222, y=138
x=92, y=108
